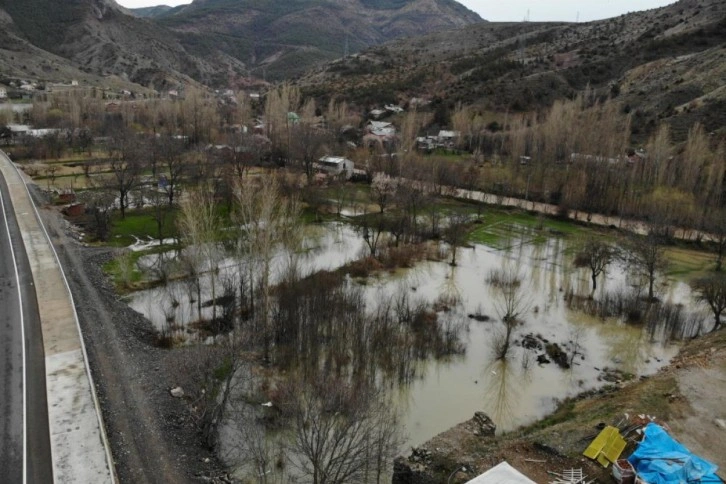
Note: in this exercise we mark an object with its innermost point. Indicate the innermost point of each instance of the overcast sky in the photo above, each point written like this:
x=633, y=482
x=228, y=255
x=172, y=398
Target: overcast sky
x=501, y=10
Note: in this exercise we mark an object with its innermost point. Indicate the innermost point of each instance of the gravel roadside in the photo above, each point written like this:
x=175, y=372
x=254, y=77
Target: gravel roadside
x=153, y=439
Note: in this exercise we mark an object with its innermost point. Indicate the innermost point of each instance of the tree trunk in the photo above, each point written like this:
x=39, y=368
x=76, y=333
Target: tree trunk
x=122, y=204
x=199, y=299
x=214, y=296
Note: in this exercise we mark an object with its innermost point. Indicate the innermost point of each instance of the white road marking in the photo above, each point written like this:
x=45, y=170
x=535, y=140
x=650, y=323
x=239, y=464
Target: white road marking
x=22, y=336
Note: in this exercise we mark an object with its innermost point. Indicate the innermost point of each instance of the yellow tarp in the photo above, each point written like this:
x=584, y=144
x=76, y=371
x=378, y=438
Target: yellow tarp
x=607, y=446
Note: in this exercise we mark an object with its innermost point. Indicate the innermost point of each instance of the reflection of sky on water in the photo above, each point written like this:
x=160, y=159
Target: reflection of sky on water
x=450, y=391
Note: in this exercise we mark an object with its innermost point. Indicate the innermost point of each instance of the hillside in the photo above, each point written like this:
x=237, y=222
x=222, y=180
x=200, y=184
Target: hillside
x=98, y=37
x=214, y=42
x=282, y=39
x=665, y=63
x=20, y=59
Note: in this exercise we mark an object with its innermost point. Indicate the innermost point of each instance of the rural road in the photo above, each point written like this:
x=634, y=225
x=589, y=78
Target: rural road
x=25, y=454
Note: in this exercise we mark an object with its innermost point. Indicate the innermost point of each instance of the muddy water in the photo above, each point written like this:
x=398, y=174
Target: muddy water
x=325, y=247
x=517, y=391
x=513, y=392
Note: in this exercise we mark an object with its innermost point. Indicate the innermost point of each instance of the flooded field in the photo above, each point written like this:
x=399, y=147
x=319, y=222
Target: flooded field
x=526, y=385
x=325, y=247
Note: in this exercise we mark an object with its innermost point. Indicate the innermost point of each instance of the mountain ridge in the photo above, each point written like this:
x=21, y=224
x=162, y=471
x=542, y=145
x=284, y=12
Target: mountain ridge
x=218, y=42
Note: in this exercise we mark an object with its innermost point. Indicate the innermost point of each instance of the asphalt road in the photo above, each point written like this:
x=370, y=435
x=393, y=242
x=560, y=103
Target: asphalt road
x=23, y=408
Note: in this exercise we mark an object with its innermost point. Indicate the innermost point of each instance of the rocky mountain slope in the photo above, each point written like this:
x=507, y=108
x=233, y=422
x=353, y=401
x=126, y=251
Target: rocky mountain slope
x=211, y=41
x=666, y=63
x=100, y=37
x=281, y=39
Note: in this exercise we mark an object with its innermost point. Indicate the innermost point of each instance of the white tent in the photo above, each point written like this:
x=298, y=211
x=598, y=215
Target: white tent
x=502, y=474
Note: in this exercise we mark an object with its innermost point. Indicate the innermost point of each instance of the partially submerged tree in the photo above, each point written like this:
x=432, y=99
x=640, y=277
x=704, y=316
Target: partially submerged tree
x=342, y=431
x=455, y=232
x=711, y=290
x=199, y=226
x=268, y=222
x=595, y=255
x=646, y=254
x=510, y=301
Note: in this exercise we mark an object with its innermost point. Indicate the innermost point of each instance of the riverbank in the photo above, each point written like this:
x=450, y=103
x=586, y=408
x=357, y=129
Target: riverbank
x=686, y=395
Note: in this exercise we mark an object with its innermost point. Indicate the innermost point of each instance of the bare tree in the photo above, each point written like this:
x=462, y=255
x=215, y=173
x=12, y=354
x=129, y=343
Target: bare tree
x=99, y=204
x=209, y=376
x=456, y=232
x=199, y=227
x=307, y=145
x=343, y=431
x=171, y=151
x=595, y=255
x=647, y=256
x=125, y=168
x=511, y=301
x=268, y=222
x=711, y=290
x=159, y=209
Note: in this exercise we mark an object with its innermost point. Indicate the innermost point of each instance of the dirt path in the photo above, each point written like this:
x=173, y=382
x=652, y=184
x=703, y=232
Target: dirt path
x=152, y=440
x=702, y=429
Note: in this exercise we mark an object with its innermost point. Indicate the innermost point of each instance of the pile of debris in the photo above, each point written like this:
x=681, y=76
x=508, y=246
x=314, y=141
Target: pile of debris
x=657, y=457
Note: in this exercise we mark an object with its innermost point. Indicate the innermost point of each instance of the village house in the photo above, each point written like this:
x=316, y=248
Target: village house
x=377, y=113
x=379, y=134
x=392, y=108
x=418, y=102
x=380, y=128
x=3, y=93
x=426, y=143
x=337, y=166
x=447, y=139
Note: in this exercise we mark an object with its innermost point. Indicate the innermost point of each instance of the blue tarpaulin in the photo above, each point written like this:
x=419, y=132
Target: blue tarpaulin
x=661, y=460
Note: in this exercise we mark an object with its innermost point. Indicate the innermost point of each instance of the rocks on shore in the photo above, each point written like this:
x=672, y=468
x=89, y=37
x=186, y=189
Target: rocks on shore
x=418, y=467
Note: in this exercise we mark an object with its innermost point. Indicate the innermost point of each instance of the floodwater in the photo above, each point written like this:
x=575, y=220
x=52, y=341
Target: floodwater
x=514, y=392
x=518, y=391
x=325, y=247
